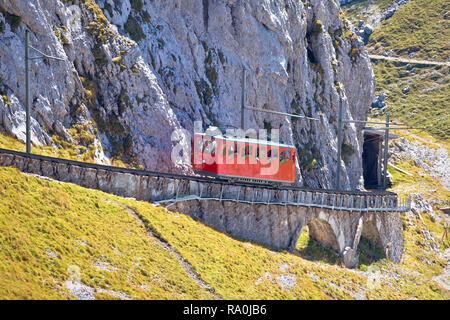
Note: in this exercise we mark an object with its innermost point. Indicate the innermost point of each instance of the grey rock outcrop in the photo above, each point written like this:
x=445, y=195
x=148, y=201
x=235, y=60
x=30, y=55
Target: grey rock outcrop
x=379, y=102
x=136, y=71
x=365, y=29
x=365, y=32
x=432, y=158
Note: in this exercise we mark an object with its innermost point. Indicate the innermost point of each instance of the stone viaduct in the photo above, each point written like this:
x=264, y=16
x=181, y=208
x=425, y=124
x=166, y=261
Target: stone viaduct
x=265, y=215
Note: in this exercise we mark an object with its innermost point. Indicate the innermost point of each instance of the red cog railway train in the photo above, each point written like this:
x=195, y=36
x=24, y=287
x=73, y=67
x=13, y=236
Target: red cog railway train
x=239, y=159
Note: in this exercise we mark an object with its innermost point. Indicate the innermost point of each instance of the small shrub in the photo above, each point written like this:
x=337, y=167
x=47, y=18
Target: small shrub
x=212, y=75
x=117, y=59
x=136, y=4
x=318, y=27
x=355, y=53
x=134, y=29
x=13, y=20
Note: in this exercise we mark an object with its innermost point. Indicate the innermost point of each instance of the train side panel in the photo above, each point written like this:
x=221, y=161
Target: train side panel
x=242, y=160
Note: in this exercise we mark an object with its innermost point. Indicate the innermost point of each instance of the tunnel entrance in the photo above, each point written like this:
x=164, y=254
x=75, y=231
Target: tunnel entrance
x=371, y=159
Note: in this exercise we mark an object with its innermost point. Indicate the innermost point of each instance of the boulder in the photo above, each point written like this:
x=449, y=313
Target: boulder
x=379, y=101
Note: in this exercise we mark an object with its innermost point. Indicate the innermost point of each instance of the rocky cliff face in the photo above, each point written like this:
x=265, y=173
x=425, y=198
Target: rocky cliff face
x=135, y=71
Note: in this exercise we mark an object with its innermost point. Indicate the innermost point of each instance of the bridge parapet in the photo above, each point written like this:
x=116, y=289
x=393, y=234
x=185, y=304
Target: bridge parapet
x=259, y=195
x=266, y=215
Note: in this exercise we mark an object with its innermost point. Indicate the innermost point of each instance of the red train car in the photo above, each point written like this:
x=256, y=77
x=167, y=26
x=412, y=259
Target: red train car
x=243, y=159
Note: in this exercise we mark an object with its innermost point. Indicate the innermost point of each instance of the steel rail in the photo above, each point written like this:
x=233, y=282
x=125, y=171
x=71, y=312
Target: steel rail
x=281, y=113
x=392, y=128
x=373, y=122
x=45, y=55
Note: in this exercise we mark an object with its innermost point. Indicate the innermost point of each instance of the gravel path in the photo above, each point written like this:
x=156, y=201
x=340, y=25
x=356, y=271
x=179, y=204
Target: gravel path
x=427, y=62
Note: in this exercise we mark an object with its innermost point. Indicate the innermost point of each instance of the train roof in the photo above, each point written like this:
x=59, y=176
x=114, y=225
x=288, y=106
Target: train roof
x=246, y=140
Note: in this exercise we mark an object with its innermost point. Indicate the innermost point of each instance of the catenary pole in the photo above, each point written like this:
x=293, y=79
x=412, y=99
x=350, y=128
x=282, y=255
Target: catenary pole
x=339, y=146
x=27, y=91
x=27, y=85
x=243, y=100
x=386, y=150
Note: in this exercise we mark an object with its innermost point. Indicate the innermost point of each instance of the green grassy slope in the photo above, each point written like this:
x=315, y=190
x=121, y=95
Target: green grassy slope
x=426, y=104
x=420, y=27
x=48, y=229
x=96, y=232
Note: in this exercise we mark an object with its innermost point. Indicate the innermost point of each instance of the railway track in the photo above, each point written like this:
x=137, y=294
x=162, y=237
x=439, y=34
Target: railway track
x=215, y=180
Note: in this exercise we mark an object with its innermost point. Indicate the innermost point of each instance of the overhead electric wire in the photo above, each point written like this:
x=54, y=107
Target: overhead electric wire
x=45, y=55
x=282, y=113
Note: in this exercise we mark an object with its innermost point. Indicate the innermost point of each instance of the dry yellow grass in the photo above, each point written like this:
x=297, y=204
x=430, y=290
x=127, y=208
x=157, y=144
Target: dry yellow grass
x=88, y=228
x=46, y=228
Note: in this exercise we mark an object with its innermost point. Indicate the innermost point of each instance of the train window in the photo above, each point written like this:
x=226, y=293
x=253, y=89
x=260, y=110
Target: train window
x=247, y=151
x=210, y=147
x=285, y=156
x=262, y=152
x=199, y=145
x=273, y=153
x=233, y=149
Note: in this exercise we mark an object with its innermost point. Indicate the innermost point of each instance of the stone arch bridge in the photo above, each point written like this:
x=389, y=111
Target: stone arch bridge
x=274, y=217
